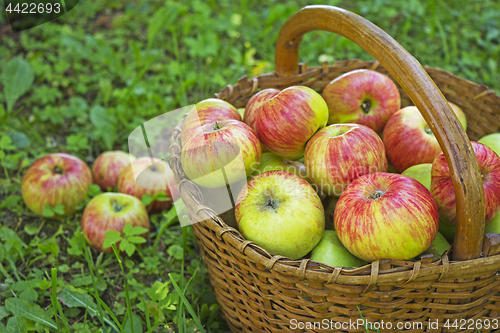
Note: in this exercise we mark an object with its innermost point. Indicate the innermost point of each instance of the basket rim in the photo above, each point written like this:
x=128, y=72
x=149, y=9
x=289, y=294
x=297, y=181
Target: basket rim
x=404, y=272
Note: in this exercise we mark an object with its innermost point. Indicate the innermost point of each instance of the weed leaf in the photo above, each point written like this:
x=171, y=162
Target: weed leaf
x=21, y=307
x=16, y=325
x=17, y=78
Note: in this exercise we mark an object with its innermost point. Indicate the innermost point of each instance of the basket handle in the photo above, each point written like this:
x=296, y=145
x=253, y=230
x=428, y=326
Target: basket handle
x=415, y=81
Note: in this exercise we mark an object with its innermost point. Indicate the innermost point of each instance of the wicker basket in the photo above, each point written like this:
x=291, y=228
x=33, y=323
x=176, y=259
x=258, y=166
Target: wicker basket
x=261, y=292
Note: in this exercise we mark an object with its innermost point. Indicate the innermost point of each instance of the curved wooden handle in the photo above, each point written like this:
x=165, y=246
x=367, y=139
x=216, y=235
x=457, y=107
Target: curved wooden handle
x=410, y=75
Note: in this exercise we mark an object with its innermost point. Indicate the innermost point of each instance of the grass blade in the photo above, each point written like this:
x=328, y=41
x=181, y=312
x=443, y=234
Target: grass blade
x=186, y=304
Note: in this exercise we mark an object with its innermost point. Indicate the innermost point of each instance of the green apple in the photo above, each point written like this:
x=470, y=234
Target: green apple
x=492, y=141
x=282, y=213
x=330, y=251
x=271, y=161
x=447, y=230
x=438, y=246
x=420, y=172
x=493, y=226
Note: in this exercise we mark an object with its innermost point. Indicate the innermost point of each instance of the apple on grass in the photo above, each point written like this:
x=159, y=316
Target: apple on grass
x=108, y=166
x=408, y=139
x=492, y=141
x=207, y=111
x=221, y=153
x=56, y=179
x=112, y=211
x=420, y=172
x=282, y=213
x=363, y=97
x=287, y=121
x=148, y=176
x=330, y=251
x=386, y=216
x=338, y=154
x=442, y=187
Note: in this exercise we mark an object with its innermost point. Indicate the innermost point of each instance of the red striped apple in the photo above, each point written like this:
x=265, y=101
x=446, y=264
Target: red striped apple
x=386, y=216
x=56, y=179
x=409, y=140
x=108, y=166
x=112, y=211
x=363, y=97
x=442, y=186
x=254, y=104
x=288, y=120
x=282, y=213
x=338, y=154
x=148, y=176
x=207, y=111
x=221, y=153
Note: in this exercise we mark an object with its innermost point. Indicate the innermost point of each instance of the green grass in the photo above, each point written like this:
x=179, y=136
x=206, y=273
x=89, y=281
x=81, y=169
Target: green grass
x=82, y=83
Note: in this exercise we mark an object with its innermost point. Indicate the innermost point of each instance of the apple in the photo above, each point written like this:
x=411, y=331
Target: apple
x=148, y=176
x=438, y=246
x=207, y=111
x=288, y=120
x=282, y=213
x=329, y=204
x=492, y=141
x=56, y=179
x=409, y=140
x=386, y=216
x=254, y=104
x=330, y=251
x=112, y=211
x=108, y=166
x=221, y=153
x=363, y=97
x=442, y=186
x=271, y=161
x=338, y=154
x=494, y=225
x=420, y=172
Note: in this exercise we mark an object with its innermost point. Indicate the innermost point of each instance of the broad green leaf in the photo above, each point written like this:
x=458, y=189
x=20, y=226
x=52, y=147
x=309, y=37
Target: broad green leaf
x=135, y=323
x=112, y=236
x=105, y=124
x=3, y=312
x=17, y=78
x=159, y=291
x=136, y=240
x=29, y=294
x=130, y=249
x=124, y=244
x=82, y=281
x=49, y=246
x=10, y=201
x=31, y=229
x=59, y=209
x=175, y=251
x=137, y=230
x=94, y=190
x=19, y=139
x=147, y=199
x=6, y=142
x=48, y=212
x=34, y=312
x=127, y=228
x=72, y=298
x=16, y=325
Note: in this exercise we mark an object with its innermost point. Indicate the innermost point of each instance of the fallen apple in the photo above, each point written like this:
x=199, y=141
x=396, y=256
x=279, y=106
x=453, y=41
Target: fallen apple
x=282, y=213
x=108, y=166
x=56, y=179
x=148, y=176
x=112, y=211
x=330, y=251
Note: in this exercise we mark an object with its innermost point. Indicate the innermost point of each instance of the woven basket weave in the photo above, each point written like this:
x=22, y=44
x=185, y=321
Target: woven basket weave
x=261, y=292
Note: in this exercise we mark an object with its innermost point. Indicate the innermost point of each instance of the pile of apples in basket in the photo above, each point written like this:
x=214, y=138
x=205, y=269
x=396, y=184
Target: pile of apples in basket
x=344, y=178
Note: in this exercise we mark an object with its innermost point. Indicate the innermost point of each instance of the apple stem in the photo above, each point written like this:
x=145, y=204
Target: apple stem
x=428, y=130
x=375, y=195
x=117, y=208
x=58, y=170
x=366, y=105
x=271, y=202
x=216, y=126
x=153, y=168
